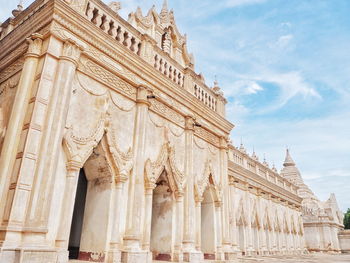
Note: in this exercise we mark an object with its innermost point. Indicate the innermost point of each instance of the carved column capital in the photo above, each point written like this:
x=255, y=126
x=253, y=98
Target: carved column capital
x=142, y=95
x=71, y=51
x=179, y=194
x=121, y=178
x=189, y=122
x=35, y=42
x=218, y=204
x=150, y=185
x=73, y=166
x=223, y=143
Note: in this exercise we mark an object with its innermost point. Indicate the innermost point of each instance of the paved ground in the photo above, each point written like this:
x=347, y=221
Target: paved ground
x=311, y=258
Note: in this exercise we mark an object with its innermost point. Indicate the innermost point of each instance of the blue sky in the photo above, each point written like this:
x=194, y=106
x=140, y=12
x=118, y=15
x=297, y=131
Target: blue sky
x=285, y=68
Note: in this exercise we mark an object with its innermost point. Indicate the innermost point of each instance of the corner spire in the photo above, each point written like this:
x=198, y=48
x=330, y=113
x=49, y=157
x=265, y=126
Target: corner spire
x=288, y=161
x=164, y=7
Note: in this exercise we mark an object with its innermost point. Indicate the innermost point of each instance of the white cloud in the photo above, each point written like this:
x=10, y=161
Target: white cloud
x=283, y=41
x=243, y=87
x=291, y=84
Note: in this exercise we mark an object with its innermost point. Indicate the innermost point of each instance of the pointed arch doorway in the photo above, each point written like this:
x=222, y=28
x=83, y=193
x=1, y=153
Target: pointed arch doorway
x=162, y=223
x=208, y=221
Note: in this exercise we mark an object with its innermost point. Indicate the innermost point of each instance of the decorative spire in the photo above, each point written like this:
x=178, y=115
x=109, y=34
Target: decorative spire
x=164, y=8
x=19, y=9
x=241, y=147
x=288, y=161
x=265, y=162
x=254, y=156
x=274, y=167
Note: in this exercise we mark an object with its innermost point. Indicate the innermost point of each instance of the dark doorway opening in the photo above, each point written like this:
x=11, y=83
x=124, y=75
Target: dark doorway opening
x=78, y=216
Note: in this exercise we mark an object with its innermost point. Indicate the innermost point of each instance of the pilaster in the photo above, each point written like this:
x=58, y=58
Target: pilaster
x=133, y=234
x=189, y=252
x=114, y=254
x=15, y=189
x=52, y=138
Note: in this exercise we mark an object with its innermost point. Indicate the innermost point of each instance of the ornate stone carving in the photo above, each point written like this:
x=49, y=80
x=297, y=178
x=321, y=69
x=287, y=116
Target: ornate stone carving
x=165, y=158
x=207, y=179
x=9, y=84
x=115, y=6
x=123, y=161
x=207, y=136
x=166, y=44
x=91, y=86
x=167, y=112
x=71, y=50
x=34, y=44
x=79, y=149
x=91, y=68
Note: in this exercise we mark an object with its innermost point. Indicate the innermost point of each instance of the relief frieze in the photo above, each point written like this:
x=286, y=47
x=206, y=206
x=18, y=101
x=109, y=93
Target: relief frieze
x=167, y=112
x=99, y=73
x=207, y=136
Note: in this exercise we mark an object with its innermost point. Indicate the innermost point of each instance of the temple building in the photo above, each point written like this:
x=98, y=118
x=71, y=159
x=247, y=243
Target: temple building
x=322, y=220
x=113, y=149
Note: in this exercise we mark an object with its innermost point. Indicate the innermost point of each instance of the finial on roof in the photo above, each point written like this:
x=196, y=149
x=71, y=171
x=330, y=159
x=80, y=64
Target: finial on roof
x=164, y=7
x=115, y=6
x=241, y=147
x=274, y=167
x=265, y=162
x=254, y=156
x=16, y=12
x=288, y=161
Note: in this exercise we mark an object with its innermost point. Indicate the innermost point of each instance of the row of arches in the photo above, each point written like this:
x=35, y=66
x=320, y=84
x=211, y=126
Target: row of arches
x=273, y=229
x=99, y=215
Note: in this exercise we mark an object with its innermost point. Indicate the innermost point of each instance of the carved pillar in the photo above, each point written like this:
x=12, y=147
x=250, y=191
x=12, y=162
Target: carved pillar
x=53, y=136
x=178, y=256
x=198, y=223
x=249, y=232
x=226, y=237
x=148, y=216
x=233, y=223
x=70, y=190
x=218, y=220
x=15, y=126
x=132, y=238
x=189, y=204
x=114, y=253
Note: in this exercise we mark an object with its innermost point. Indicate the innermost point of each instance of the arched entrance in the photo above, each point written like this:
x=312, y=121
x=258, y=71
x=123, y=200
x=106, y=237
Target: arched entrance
x=208, y=233
x=163, y=217
x=78, y=216
x=91, y=220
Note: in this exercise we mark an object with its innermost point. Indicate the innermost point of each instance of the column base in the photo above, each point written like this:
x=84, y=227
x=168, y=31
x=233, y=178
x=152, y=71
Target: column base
x=136, y=256
x=193, y=257
x=29, y=256
x=114, y=256
x=230, y=255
